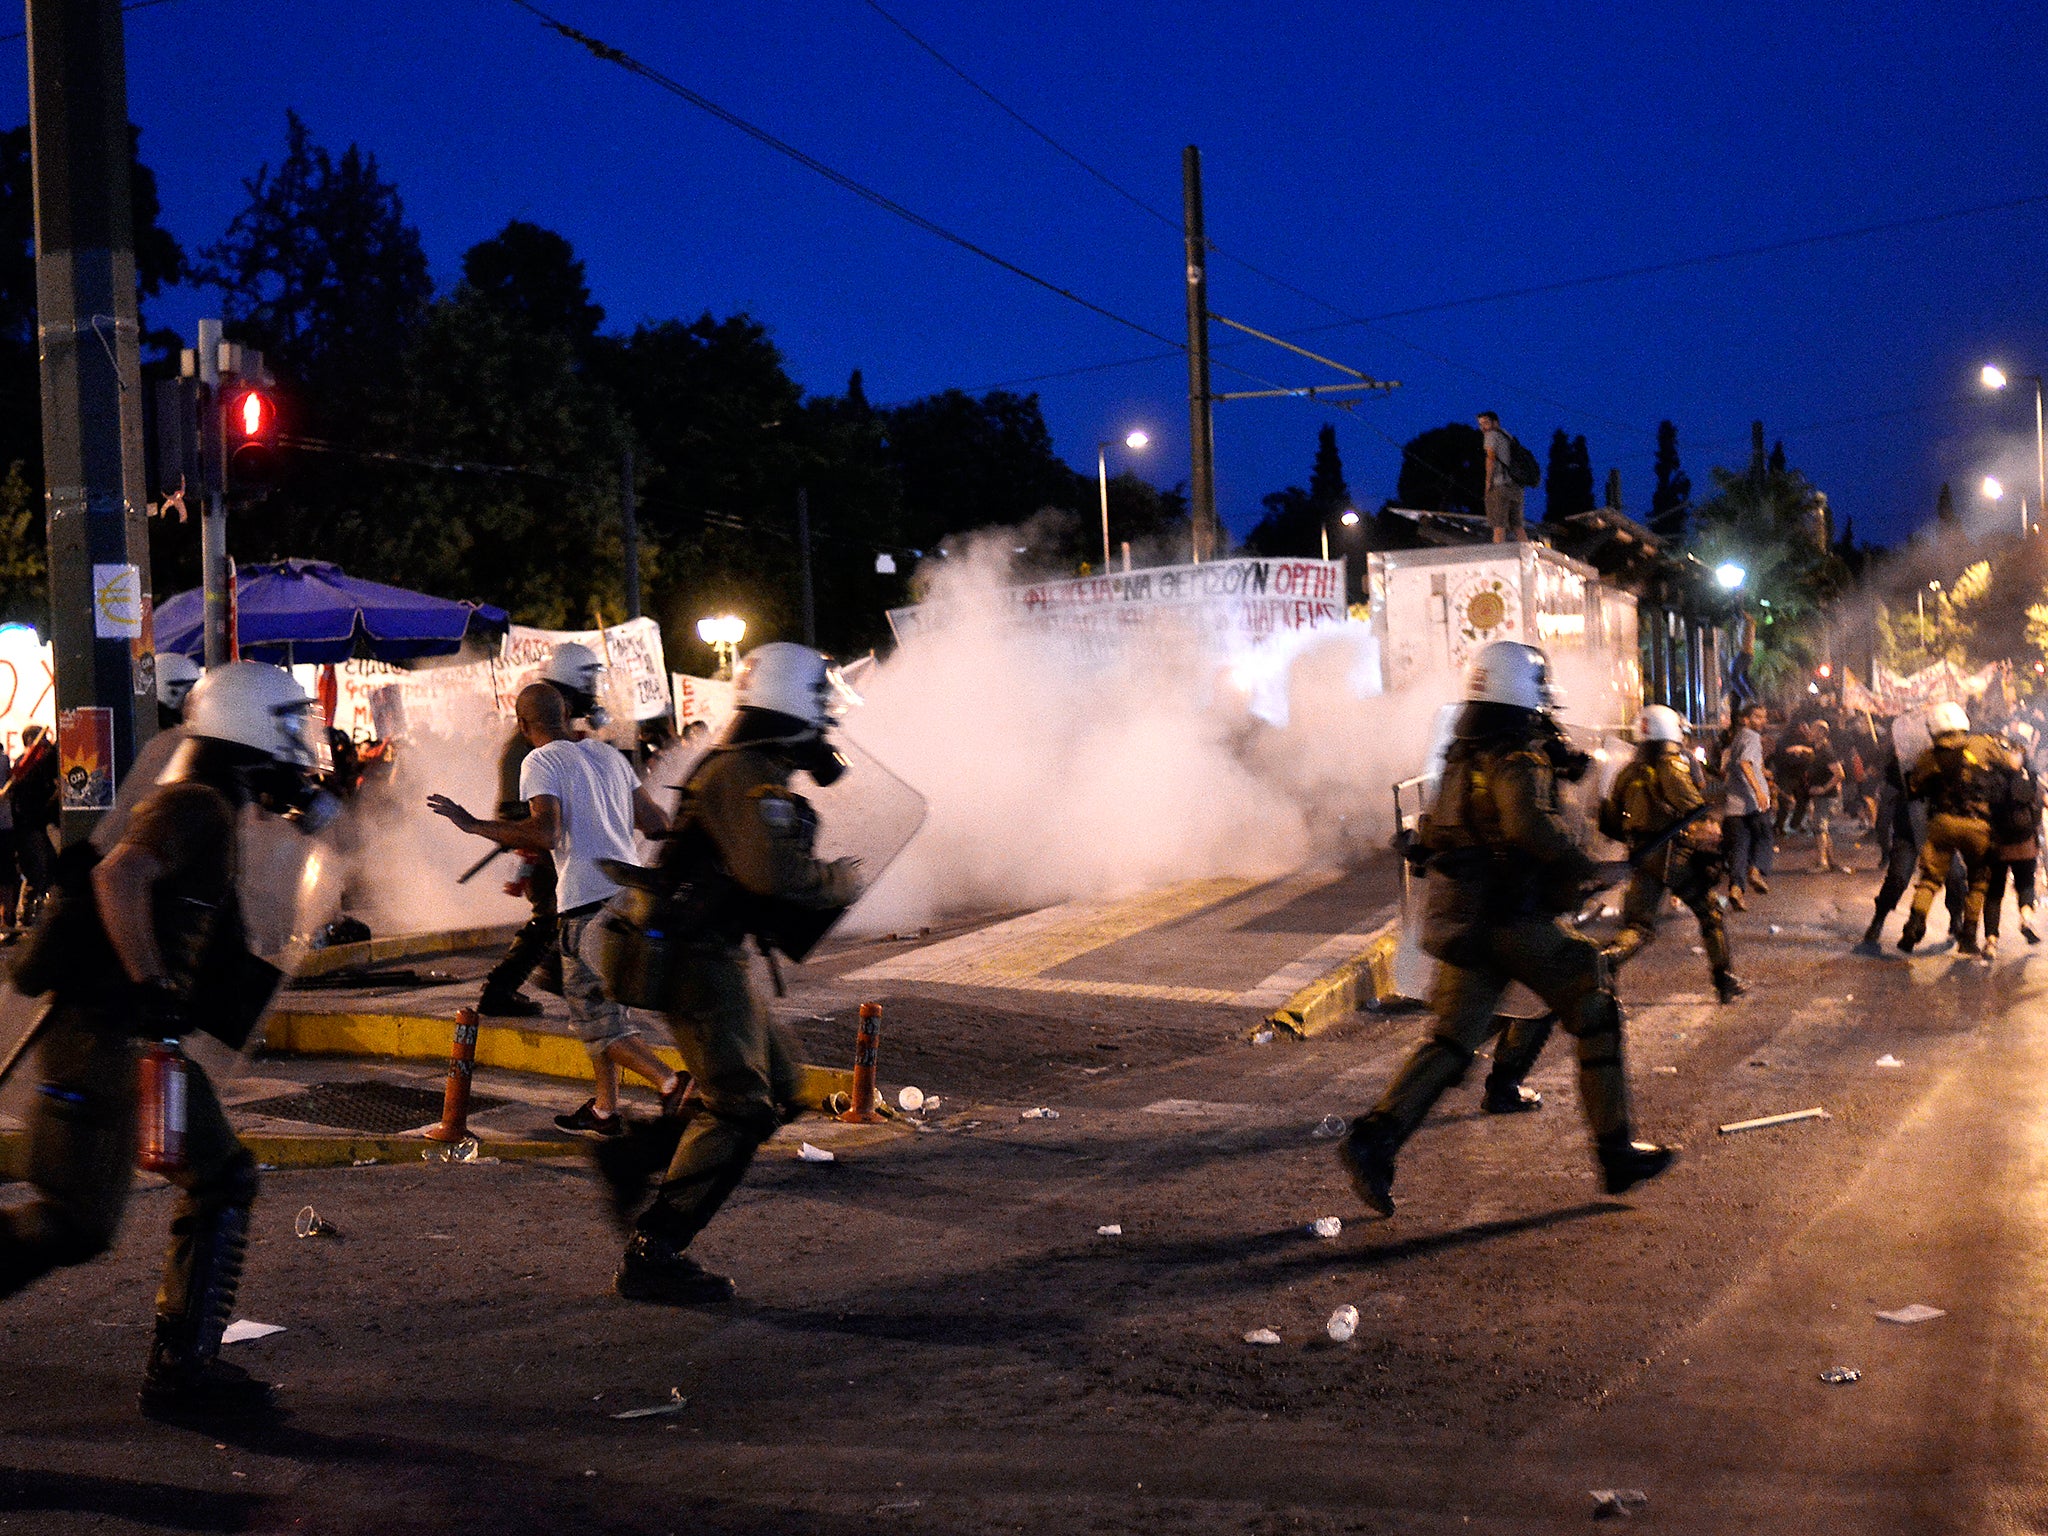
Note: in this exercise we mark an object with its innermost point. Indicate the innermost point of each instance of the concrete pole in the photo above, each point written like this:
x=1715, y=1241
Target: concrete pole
x=1201, y=407
x=216, y=584
x=88, y=344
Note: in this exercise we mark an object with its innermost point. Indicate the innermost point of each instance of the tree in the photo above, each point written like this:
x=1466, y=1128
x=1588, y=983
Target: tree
x=1613, y=501
x=1327, y=492
x=24, y=569
x=323, y=273
x=1568, y=484
x=1443, y=470
x=1768, y=519
x=532, y=275
x=1945, y=508
x=969, y=463
x=1671, y=499
x=1295, y=519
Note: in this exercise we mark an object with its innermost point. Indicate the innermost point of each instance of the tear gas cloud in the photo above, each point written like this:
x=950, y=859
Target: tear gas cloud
x=1054, y=775
x=403, y=860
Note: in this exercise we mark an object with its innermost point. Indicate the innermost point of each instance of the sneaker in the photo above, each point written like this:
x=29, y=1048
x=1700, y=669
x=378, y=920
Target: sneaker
x=2027, y=926
x=1735, y=899
x=1370, y=1164
x=1510, y=1099
x=654, y=1271
x=586, y=1121
x=1989, y=950
x=1758, y=884
x=507, y=1005
x=1629, y=1163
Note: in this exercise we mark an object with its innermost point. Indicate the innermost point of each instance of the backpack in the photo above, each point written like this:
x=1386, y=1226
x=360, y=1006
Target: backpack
x=1523, y=468
x=2016, y=807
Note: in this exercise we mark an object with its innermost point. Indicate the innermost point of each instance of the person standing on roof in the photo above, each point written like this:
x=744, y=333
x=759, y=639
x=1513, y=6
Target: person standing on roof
x=1503, y=489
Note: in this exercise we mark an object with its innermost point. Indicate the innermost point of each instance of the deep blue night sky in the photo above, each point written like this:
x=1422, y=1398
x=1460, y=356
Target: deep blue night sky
x=1379, y=156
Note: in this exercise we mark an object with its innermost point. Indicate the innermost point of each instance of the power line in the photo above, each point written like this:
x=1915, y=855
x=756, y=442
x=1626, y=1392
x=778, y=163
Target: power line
x=133, y=5
x=1018, y=117
x=866, y=193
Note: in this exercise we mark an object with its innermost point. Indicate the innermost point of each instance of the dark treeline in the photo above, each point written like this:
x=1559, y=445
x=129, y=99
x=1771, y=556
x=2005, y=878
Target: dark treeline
x=468, y=435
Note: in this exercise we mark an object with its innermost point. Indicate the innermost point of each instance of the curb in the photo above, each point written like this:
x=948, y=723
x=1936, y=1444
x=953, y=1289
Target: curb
x=421, y=1037
x=404, y=946
x=339, y=1151
x=1335, y=996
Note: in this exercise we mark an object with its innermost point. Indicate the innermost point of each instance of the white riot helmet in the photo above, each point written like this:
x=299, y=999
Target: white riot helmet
x=1948, y=719
x=175, y=675
x=1509, y=672
x=254, y=705
x=574, y=665
x=1660, y=722
x=789, y=679
x=2022, y=732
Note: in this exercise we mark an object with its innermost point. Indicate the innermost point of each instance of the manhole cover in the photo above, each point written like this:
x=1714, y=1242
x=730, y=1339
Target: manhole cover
x=382, y=1107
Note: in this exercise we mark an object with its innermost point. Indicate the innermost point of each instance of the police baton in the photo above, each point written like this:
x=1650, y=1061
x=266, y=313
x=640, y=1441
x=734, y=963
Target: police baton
x=478, y=867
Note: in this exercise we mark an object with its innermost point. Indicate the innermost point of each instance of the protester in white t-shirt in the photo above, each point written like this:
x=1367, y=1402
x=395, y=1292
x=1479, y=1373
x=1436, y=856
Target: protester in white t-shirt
x=584, y=803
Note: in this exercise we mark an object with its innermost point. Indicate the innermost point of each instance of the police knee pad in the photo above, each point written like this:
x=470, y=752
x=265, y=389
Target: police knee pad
x=1598, y=1013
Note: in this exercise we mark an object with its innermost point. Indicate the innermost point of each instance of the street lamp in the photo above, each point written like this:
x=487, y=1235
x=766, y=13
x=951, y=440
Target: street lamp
x=1728, y=575
x=1993, y=491
x=1132, y=440
x=723, y=635
x=1348, y=517
x=1995, y=378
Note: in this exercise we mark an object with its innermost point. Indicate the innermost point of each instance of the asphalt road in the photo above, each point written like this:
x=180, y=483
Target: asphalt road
x=934, y=1337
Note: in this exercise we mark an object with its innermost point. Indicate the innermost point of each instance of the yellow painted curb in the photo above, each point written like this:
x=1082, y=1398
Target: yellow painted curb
x=1335, y=996
x=337, y=1151
x=419, y=1037
x=404, y=946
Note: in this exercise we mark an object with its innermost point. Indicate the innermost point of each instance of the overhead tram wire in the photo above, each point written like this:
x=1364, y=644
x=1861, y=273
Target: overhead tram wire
x=866, y=193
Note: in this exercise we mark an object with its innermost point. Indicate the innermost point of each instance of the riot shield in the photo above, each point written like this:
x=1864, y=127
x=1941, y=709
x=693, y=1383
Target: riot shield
x=871, y=814
x=1911, y=738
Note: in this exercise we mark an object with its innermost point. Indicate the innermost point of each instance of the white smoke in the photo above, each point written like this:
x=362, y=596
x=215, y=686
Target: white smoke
x=1053, y=776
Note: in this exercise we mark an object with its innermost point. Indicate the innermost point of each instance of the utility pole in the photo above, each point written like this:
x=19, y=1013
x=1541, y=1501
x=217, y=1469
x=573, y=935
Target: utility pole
x=88, y=344
x=216, y=585
x=803, y=556
x=629, y=515
x=1201, y=410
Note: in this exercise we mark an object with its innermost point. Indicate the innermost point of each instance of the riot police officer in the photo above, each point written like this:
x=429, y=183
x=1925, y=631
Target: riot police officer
x=1960, y=776
x=1652, y=798
x=739, y=861
x=1503, y=869
x=148, y=943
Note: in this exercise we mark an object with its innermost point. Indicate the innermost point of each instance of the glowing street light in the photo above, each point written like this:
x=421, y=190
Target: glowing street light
x=1992, y=377
x=1728, y=575
x=1133, y=440
x=1348, y=517
x=1993, y=490
x=723, y=634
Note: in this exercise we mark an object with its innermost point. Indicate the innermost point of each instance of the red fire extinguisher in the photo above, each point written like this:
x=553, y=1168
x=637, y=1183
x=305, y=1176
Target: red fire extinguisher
x=162, y=1108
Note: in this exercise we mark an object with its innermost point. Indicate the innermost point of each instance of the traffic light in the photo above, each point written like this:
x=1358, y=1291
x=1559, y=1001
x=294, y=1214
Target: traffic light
x=249, y=433
x=179, y=478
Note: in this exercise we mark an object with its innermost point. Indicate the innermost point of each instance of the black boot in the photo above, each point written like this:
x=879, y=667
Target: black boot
x=185, y=1380
x=1873, y=936
x=658, y=1271
x=1367, y=1154
x=506, y=1003
x=1625, y=1163
x=1966, y=938
x=1728, y=986
x=1914, y=931
x=179, y=1390
x=1509, y=1098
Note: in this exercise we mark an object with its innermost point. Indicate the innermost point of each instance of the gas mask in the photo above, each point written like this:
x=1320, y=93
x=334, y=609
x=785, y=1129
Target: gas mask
x=287, y=791
x=1566, y=760
x=820, y=759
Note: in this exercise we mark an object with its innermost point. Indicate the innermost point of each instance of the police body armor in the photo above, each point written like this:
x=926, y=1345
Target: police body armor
x=1485, y=876
x=689, y=900
x=1965, y=780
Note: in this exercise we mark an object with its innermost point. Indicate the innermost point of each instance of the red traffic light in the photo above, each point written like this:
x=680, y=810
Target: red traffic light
x=252, y=416
x=249, y=420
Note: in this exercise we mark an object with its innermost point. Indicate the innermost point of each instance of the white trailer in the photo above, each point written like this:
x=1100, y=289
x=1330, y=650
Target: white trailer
x=1433, y=608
